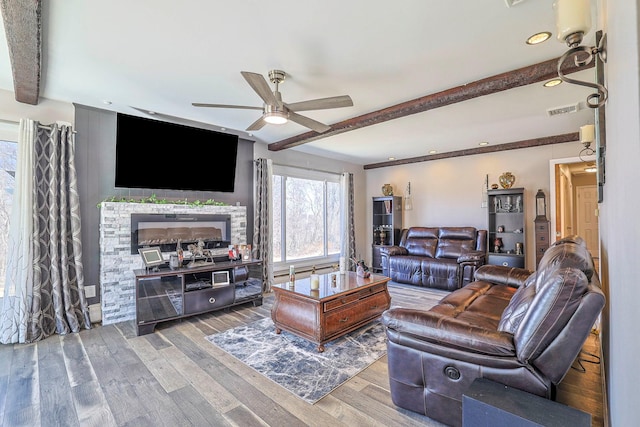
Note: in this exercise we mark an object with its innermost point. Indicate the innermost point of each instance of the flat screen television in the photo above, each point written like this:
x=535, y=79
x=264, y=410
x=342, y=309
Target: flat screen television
x=160, y=155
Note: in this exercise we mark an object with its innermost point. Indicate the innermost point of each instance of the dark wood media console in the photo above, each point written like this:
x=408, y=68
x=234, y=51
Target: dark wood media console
x=167, y=294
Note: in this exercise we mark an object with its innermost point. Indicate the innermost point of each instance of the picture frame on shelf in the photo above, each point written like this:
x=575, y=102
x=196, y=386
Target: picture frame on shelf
x=151, y=256
x=239, y=252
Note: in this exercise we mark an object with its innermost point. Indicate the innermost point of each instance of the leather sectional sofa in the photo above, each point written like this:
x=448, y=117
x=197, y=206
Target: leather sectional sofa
x=435, y=257
x=510, y=326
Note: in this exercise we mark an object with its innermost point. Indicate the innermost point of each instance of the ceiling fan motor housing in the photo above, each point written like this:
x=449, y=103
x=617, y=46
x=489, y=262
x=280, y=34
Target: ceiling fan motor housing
x=277, y=76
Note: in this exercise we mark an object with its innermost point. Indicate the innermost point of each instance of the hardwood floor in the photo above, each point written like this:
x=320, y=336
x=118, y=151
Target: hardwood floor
x=107, y=376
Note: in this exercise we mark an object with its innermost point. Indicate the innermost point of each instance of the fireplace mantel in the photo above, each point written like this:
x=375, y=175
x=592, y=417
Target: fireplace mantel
x=117, y=281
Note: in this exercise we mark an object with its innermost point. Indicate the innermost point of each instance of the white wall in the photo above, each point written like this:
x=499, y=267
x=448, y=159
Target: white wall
x=448, y=192
x=620, y=229
x=46, y=112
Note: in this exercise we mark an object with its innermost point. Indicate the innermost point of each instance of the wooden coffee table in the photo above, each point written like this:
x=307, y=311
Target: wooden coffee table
x=324, y=314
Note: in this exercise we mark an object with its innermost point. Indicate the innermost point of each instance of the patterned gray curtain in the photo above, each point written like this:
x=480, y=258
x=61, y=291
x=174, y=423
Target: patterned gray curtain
x=263, y=220
x=348, y=249
x=55, y=299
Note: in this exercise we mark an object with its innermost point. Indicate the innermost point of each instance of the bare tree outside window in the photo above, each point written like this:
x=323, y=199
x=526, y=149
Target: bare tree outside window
x=306, y=218
x=8, y=159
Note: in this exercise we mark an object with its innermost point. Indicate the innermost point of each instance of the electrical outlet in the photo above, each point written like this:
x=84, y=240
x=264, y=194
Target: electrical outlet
x=90, y=291
x=483, y=204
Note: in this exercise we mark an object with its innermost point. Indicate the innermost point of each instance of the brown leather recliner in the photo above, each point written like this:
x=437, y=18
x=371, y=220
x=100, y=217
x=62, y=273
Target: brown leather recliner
x=435, y=257
x=509, y=326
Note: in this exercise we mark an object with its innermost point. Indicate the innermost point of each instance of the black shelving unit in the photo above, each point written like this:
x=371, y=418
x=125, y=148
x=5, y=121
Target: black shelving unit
x=387, y=226
x=506, y=223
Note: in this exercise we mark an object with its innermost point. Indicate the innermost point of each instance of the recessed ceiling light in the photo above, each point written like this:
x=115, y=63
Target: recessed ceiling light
x=392, y=158
x=539, y=38
x=223, y=128
x=552, y=83
x=433, y=151
x=151, y=112
x=483, y=143
x=106, y=102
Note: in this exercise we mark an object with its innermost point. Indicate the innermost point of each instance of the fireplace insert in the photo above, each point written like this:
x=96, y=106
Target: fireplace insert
x=165, y=230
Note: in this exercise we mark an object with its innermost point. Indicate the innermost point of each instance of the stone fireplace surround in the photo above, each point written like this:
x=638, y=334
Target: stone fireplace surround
x=117, y=281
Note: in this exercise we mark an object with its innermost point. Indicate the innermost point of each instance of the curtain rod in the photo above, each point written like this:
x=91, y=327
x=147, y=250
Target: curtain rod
x=308, y=169
x=41, y=126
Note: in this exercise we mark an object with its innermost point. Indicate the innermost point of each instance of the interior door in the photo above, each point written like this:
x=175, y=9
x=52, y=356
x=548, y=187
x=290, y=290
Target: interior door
x=566, y=207
x=587, y=219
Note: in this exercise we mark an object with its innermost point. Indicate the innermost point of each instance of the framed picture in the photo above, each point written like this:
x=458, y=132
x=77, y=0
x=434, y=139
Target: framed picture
x=245, y=252
x=220, y=278
x=152, y=257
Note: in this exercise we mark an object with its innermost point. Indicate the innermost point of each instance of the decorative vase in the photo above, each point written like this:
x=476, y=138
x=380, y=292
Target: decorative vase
x=507, y=180
x=497, y=244
x=387, y=190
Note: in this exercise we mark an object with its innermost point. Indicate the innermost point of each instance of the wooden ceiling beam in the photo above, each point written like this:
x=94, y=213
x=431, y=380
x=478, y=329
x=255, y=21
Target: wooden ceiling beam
x=521, y=77
x=23, y=28
x=536, y=142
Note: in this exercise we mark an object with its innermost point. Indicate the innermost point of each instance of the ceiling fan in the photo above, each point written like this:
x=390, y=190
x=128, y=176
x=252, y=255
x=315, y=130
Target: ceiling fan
x=275, y=111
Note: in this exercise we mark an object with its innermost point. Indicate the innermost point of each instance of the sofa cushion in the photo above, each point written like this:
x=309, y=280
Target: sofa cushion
x=406, y=269
x=453, y=248
x=570, y=239
x=421, y=241
x=518, y=306
x=555, y=301
x=422, y=247
x=459, y=233
x=441, y=273
x=455, y=241
x=567, y=255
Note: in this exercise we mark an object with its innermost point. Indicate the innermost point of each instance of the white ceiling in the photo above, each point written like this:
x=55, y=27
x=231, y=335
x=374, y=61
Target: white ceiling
x=162, y=55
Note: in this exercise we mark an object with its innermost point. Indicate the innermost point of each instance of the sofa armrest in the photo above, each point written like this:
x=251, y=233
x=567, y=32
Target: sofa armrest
x=446, y=331
x=501, y=275
x=386, y=252
x=393, y=250
x=473, y=257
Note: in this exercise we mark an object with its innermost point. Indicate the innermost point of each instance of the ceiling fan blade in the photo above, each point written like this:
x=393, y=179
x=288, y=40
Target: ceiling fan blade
x=322, y=103
x=309, y=123
x=257, y=125
x=260, y=85
x=244, y=107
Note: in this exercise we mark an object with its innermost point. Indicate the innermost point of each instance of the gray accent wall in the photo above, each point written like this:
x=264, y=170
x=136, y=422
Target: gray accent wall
x=95, y=164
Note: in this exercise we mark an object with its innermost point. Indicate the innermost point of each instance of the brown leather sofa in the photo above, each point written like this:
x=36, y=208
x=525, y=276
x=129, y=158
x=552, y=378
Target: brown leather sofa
x=435, y=257
x=511, y=326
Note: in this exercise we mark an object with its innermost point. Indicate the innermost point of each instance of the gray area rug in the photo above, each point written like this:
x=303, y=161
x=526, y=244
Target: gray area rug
x=295, y=364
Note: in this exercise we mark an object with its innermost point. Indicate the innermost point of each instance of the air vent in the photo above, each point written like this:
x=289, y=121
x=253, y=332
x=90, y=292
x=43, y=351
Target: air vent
x=513, y=2
x=573, y=108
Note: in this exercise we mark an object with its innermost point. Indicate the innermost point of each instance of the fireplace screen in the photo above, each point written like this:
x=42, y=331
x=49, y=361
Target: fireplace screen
x=166, y=230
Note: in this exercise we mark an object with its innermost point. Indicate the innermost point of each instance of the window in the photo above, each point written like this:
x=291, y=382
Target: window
x=306, y=216
x=8, y=157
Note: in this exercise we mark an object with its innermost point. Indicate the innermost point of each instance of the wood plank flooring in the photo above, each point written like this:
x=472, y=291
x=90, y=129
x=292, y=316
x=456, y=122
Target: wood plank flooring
x=107, y=376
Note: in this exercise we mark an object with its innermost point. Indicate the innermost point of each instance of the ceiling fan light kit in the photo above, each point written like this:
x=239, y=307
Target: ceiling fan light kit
x=275, y=117
x=275, y=111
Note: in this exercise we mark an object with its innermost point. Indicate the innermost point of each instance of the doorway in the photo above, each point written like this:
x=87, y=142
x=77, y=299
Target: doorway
x=573, y=202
